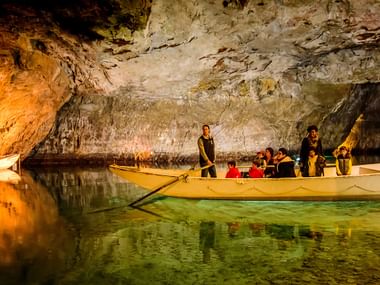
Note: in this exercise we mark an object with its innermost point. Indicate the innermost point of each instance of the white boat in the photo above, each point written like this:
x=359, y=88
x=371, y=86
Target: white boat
x=9, y=176
x=7, y=161
x=364, y=184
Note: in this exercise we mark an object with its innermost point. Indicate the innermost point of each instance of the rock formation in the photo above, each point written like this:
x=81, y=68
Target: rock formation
x=137, y=79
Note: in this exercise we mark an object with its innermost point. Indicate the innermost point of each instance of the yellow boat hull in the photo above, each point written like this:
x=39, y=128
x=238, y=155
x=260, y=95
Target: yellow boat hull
x=190, y=185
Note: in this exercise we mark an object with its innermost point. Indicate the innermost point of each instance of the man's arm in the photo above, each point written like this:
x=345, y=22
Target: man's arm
x=202, y=150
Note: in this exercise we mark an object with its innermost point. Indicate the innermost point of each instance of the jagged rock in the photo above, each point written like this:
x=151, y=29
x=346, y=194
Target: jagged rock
x=141, y=77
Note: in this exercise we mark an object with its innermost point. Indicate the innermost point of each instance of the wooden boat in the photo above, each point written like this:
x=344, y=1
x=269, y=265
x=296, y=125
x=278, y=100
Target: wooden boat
x=364, y=184
x=7, y=161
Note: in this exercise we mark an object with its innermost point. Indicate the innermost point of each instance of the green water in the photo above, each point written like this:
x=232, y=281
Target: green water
x=70, y=226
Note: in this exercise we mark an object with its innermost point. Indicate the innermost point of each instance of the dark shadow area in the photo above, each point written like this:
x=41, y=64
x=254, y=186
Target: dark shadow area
x=82, y=17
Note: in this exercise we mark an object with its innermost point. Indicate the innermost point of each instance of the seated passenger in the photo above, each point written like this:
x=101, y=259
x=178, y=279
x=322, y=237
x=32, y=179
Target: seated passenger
x=233, y=171
x=343, y=161
x=260, y=156
x=315, y=164
x=270, y=168
x=284, y=164
x=255, y=171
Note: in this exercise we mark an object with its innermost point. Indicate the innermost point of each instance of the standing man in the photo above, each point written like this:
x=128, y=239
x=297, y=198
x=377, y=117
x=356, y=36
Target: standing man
x=312, y=140
x=207, y=152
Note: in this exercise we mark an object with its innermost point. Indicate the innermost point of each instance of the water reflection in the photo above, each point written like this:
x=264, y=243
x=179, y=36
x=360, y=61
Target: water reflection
x=206, y=239
x=85, y=190
x=71, y=226
x=34, y=240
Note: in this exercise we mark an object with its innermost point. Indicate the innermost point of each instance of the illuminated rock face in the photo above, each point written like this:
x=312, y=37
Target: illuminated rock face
x=33, y=88
x=140, y=78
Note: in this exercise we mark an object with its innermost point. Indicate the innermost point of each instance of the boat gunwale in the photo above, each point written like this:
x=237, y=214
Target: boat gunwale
x=374, y=197
x=135, y=169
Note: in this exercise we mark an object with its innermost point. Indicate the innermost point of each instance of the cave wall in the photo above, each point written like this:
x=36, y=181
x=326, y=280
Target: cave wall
x=143, y=76
x=39, y=71
x=120, y=126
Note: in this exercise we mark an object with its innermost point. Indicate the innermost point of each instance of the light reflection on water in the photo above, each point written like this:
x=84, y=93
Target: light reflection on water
x=71, y=226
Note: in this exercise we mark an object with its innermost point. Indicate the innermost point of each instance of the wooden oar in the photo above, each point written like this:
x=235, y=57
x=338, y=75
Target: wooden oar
x=174, y=180
x=123, y=206
x=178, y=178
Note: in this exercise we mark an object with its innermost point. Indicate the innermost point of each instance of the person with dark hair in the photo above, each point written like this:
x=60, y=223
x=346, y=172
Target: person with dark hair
x=284, y=164
x=269, y=169
x=233, y=171
x=311, y=140
x=256, y=171
x=207, y=152
x=315, y=164
x=269, y=152
x=343, y=162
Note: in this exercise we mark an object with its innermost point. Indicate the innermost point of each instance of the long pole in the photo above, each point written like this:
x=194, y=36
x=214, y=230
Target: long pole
x=176, y=179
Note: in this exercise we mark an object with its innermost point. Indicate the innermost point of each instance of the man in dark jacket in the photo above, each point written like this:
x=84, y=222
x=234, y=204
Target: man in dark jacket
x=284, y=164
x=207, y=152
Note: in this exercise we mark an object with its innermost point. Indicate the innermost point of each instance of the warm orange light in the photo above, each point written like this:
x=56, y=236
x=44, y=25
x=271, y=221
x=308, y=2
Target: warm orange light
x=28, y=218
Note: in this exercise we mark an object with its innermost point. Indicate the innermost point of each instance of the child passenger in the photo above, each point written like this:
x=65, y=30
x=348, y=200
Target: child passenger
x=256, y=171
x=343, y=162
x=233, y=171
x=315, y=164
